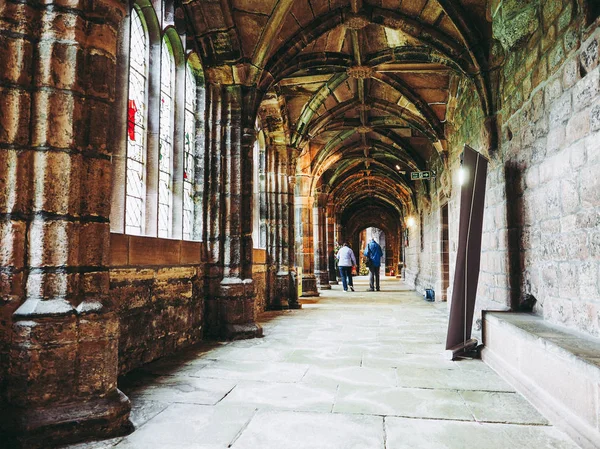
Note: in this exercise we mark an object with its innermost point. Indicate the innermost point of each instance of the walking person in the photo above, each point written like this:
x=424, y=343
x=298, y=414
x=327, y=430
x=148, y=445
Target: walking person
x=373, y=253
x=346, y=261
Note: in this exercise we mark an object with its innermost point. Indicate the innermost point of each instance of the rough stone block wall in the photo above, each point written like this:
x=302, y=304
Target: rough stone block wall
x=552, y=161
x=541, y=229
x=157, y=289
x=259, y=275
x=541, y=232
x=423, y=261
x=424, y=267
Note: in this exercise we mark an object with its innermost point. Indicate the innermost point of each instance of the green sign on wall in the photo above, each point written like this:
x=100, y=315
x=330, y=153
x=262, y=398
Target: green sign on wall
x=422, y=175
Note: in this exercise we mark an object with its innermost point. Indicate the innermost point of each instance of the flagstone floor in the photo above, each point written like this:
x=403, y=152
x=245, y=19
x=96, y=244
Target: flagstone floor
x=355, y=370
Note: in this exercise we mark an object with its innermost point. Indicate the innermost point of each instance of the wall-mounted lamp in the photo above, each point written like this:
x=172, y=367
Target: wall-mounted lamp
x=402, y=172
x=462, y=171
x=410, y=222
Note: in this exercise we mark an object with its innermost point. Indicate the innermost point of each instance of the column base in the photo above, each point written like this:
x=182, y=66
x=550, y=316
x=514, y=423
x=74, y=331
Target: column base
x=309, y=286
x=42, y=427
x=242, y=331
x=236, y=310
x=323, y=280
x=281, y=294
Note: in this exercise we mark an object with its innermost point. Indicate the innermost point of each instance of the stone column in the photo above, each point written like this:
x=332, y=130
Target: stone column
x=320, y=242
x=271, y=221
x=213, y=208
x=331, y=243
x=279, y=225
x=304, y=235
x=291, y=229
x=59, y=333
x=338, y=229
x=230, y=303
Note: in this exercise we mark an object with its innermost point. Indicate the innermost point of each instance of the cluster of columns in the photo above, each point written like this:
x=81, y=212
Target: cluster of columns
x=279, y=199
x=59, y=333
x=318, y=231
x=230, y=311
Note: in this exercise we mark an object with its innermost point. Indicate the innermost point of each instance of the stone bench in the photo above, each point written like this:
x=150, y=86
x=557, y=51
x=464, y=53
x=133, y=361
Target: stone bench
x=556, y=369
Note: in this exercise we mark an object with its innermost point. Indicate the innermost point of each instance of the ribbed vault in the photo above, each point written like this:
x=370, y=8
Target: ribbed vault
x=363, y=88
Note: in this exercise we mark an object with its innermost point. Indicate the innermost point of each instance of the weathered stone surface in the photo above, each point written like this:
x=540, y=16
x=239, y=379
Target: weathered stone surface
x=517, y=80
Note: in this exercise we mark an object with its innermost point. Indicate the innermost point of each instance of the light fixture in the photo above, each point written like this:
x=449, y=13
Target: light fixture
x=410, y=222
x=462, y=171
x=462, y=176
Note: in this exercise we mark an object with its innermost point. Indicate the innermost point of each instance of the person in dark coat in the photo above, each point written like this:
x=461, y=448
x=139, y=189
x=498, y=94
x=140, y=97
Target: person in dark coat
x=373, y=253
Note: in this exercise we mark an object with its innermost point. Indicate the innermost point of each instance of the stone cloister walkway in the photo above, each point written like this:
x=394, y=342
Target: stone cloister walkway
x=355, y=370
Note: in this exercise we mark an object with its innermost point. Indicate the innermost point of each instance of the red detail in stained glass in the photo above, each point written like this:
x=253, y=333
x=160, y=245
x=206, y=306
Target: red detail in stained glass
x=131, y=111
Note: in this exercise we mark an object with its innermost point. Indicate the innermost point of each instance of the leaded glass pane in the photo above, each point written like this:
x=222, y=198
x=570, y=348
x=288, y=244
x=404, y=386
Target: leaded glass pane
x=136, y=126
x=189, y=154
x=165, y=154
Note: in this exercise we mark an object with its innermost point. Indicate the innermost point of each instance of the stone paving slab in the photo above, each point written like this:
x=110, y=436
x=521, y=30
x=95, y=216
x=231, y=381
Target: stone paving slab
x=501, y=407
x=294, y=430
x=243, y=370
x=351, y=376
x=187, y=426
x=185, y=389
x=269, y=395
x=439, y=378
x=403, y=360
x=403, y=433
x=330, y=376
x=408, y=402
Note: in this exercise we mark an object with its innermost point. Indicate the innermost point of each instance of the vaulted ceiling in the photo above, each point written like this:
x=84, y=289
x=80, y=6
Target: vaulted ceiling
x=364, y=88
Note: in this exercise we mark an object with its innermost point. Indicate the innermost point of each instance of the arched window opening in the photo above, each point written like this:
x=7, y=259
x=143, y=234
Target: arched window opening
x=136, y=126
x=189, y=155
x=259, y=233
x=165, y=145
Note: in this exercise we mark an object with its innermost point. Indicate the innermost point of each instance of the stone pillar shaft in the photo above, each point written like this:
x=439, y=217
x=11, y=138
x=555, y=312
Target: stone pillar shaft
x=62, y=348
x=331, y=244
x=320, y=244
x=279, y=223
x=304, y=240
x=291, y=242
x=230, y=309
x=271, y=226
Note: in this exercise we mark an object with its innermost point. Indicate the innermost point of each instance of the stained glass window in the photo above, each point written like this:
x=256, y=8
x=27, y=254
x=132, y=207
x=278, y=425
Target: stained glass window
x=189, y=153
x=136, y=126
x=165, y=152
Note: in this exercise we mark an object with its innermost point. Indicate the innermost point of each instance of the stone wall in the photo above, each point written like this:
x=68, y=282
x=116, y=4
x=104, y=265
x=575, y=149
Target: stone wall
x=423, y=266
x=259, y=276
x=541, y=232
x=550, y=154
x=157, y=290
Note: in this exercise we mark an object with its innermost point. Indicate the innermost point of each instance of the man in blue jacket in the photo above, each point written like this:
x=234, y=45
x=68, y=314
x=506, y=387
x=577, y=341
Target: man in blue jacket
x=373, y=254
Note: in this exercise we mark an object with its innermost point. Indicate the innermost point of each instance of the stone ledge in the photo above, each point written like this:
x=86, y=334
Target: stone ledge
x=558, y=371
x=133, y=250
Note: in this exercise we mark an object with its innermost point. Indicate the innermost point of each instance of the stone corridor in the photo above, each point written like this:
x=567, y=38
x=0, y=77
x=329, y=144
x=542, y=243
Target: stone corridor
x=349, y=370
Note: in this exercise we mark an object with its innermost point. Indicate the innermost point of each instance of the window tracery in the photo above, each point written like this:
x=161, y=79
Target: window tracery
x=189, y=153
x=165, y=144
x=136, y=127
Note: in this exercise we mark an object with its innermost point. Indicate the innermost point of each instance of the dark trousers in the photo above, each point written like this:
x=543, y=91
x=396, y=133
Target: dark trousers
x=346, y=275
x=374, y=278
